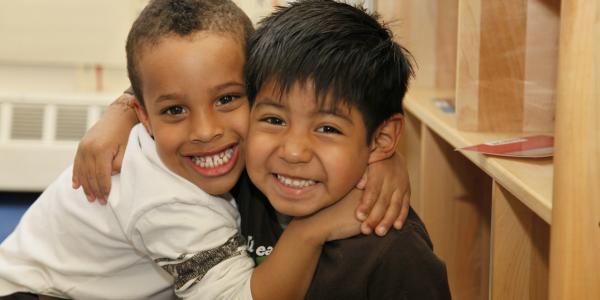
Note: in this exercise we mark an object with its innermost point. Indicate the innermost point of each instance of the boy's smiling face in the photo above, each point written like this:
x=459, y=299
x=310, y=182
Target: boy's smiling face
x=304, y=156
x=196, y=108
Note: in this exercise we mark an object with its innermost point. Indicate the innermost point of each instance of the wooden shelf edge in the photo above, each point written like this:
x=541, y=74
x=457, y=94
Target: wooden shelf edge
x=507, y=172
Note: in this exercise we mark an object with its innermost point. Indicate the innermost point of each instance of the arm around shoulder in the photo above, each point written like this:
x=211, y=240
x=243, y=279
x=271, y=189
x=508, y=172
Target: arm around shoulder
x=100, y=152
x=288, y=272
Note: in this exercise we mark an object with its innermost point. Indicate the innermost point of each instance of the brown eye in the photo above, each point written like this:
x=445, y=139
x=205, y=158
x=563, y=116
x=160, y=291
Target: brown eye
x=328, y=129
x=174, y=110
x=226, y=99
x=273, y=121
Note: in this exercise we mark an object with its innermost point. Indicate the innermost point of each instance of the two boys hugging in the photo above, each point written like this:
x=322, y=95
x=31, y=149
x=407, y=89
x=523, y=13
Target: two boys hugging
x=311, y=104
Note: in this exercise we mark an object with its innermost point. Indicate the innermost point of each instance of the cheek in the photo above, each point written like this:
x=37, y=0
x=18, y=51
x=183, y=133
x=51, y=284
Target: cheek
x=259, y=147
x=344, y=167
x=166, y=140
x=170, y=135
x=239, y=121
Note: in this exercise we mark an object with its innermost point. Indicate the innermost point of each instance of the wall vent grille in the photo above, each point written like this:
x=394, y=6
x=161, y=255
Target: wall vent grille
x=71, y=122
x=27, y=122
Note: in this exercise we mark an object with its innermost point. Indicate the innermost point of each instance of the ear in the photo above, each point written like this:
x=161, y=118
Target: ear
x=385, y=138
x=142, y=115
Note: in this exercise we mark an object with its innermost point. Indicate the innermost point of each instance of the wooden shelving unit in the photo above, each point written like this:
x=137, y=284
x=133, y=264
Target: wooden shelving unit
x=506, y=228
x=489, y=217
x=530, y=180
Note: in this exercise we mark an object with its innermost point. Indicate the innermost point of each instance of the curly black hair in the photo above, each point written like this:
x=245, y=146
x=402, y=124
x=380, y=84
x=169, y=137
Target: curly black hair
x=183, y=18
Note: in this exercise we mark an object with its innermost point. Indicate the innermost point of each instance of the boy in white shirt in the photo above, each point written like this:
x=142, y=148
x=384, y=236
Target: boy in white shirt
x=163, y=225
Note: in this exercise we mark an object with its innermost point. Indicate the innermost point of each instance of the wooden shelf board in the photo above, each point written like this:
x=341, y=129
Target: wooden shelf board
x=529, y=180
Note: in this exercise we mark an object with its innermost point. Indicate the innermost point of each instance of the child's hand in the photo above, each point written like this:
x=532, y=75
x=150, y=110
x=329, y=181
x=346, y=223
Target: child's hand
x=338, y=221
x=386, y=199
x=100, y=151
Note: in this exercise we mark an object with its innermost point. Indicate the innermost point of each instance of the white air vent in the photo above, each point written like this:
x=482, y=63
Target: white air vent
x=71, y=122
x=27, y=121
x=39, y=134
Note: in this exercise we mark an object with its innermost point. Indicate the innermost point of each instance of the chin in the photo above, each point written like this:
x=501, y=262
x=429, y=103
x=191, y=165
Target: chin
x=215, y=191
x=293, y=210
x=221, y=187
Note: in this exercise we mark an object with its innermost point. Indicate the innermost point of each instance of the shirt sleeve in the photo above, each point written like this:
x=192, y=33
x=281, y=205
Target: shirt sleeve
x=199, y=247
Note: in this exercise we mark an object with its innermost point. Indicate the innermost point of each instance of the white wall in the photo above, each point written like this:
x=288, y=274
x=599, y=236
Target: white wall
x=65, y=32
x=56, y=45
x=70, y=52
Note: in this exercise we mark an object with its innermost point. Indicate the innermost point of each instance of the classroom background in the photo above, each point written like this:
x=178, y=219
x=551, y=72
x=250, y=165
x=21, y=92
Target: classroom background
x=487, y=70
x=61, y=63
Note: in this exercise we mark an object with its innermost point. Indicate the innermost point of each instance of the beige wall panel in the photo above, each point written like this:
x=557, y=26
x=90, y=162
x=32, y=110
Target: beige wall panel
x=446, y=44
x=396, y=14
x=506, y=65
x=492, y=78
x=423, y=41
x=65, y=32
x=541, y=64
x=502, y=65
x=258, y=9
x=467, y=74
x=427, y=28
x=414, y=25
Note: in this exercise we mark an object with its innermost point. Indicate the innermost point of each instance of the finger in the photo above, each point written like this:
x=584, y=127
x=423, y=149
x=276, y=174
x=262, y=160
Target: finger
x=92, y=182
x=391, y=215
x=80, y=168
x=403, y=212
x=370, y=195
x=103, y=176
x=363, y=182
x=366, y=204
x=377, y=213
x=118, y=160
x=87, y=189
x=75, y=183
x=365, y=229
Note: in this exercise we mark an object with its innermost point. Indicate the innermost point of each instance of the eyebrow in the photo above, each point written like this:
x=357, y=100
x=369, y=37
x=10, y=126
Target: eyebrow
x=322, y=111
x=268, y=102
x=178, y=96
x=225, y=85
x=335, y=112
x=170, y=96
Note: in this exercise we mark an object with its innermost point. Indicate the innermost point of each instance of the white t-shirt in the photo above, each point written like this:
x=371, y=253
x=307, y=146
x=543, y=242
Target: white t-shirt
x=159, y=234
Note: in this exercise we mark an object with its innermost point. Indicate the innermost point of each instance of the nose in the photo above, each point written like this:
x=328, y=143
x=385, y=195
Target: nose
x=205, y=128
x=295, y=148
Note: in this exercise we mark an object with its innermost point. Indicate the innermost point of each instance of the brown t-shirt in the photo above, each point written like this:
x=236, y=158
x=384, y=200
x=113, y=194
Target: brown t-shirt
x=400, y=265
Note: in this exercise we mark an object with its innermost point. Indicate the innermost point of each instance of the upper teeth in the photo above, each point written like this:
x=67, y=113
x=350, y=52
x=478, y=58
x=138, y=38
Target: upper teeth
x=300, y=183
x=215, y=160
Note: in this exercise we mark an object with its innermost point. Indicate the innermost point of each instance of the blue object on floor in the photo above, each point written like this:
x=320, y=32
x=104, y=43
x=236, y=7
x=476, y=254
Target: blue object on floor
x=12, y=208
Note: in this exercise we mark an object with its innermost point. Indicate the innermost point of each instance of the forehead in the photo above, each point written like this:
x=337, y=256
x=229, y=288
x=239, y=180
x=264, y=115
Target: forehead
x=303, y=94
x=204, y=45
x=194, y=64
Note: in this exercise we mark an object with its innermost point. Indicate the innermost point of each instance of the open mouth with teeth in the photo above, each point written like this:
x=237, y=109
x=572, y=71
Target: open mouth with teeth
x=295, y=183
x=216, y=164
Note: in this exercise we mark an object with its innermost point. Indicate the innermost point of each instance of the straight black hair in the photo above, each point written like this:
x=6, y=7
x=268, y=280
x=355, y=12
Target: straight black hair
x=343, y=50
